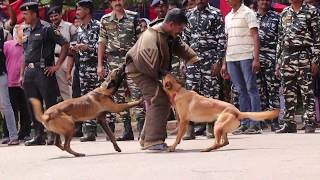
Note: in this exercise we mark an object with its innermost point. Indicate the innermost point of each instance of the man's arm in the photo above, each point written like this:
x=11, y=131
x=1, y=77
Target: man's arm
x=13, y=18
x=103, y=38
x=183, y=51
x=256, y=50
x=22, y=68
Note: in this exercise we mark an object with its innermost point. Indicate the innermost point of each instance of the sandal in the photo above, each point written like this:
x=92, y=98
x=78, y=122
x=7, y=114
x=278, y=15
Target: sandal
x=13, y=142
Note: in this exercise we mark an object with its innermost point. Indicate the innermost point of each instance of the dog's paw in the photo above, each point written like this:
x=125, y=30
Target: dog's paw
x=79, y=155
x=117, y=148
x=171, y=149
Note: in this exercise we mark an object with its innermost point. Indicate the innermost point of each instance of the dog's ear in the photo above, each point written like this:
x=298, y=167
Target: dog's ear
x=168, y=85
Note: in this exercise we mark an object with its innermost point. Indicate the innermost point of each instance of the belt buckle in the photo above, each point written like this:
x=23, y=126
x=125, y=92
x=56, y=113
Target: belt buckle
x=31, y=65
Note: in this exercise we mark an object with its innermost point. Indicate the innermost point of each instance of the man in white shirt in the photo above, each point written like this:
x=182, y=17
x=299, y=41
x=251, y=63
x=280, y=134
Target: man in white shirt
x=242, y=61
x=67, y=30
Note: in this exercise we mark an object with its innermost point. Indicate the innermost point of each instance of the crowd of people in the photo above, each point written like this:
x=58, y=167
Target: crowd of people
x=263, y=57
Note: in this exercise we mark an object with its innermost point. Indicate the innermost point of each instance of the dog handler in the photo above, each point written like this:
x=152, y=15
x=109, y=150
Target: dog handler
x=146, y=60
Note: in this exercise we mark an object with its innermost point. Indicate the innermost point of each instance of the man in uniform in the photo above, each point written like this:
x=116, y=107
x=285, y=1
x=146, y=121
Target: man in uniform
x=268, y=21
x=298, y=53
x=161, y=7
x=38, y=69
x=66, y=30
x=151, y=55
x=86, y=47
x=205, y=35
x=118, y=33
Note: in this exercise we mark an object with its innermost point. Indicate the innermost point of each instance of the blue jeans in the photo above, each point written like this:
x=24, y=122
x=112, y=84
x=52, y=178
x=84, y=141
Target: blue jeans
x=246, y=84
x=6, y=108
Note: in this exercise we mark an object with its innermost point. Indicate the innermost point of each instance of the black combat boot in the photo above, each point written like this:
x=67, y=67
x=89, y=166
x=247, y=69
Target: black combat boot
x=89, y=133
x=190, y=132
x=287, y=128
x=39, y=139
x=127, y=134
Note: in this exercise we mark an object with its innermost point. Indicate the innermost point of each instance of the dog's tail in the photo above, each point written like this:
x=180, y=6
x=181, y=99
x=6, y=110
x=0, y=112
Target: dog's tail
x=37, y=110
x=260, y=116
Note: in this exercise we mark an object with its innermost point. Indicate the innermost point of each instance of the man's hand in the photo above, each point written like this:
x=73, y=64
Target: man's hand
x=255, y=65
x=6, y=3
x=101, y=71
x=278, y=75
x=21, y=79
x=314, y=69
x=182, y=68
x=82, y=47
x=49, y=71
x=215, y=69
x=224, y=72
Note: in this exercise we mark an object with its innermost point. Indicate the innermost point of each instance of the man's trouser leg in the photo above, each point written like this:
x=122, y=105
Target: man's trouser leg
x=157, y=112
x=139, y=110
x=88, y=82
x=61, y=75
x=6, y=108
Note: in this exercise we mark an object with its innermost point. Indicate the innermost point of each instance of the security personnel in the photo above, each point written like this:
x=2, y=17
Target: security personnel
x=267, y=82
x=86, y=48
x=298, y=53
x=205, y=35
x=67, y=30
x=161, y=7
x=118, y=33
x=38, y=70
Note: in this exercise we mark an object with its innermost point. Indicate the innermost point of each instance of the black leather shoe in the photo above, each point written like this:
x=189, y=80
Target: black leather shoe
x=38, y=140
x=287, y=128
x=90, y=137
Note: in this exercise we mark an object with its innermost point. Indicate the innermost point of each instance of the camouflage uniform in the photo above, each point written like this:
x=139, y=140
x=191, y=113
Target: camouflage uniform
x=268, y=35
x=88, y=62
x=119, y=36
x=205, y=35
x=298, y=47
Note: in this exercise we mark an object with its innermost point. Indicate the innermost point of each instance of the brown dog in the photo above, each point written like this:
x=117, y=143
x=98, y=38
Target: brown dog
x=191, y=106
x=61, y=118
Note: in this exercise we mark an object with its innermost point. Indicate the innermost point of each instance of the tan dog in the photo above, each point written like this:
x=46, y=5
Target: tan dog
x=190, y=106
x=61, y=118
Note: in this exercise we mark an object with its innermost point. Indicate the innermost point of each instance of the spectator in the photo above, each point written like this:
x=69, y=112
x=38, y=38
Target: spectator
x=242, y=61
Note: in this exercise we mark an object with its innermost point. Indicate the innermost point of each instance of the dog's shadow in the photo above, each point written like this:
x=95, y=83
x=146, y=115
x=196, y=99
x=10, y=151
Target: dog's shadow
x=198, y=150
x=91, y=155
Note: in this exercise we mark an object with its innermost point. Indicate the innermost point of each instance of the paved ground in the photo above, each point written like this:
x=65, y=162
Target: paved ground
x=248, y=157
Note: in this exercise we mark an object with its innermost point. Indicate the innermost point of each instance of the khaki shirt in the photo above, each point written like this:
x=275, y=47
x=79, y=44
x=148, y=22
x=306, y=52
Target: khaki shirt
x=67, y=31
x=151, y=53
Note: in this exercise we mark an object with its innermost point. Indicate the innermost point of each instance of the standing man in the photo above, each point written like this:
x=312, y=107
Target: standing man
x=118, y=33
x=86, y=47
x=66, y=30
x=147, y=59
x=38, y=70
x=242, y=60
x=298, y=53
x=268, y=21
x=205, y=35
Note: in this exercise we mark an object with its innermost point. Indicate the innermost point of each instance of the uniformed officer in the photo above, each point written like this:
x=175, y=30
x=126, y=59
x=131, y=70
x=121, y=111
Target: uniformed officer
x=161, y=7
x=205, y=35
x=118, y=33
x=298, y=53
x=39, y=68
x=67, y=30
x=86, y=47
x=268, y=84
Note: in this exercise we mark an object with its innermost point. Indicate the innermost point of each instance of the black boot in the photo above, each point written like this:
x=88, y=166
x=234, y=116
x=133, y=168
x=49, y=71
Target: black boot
x=39, y=139
x=200, y=130
x=190, y=132
x=78, y=130
x=275, y=125
x=287, y=128
x=209, y=130
x=127, y=134
x=310, y=128
x=89, y=133
x=51, y=137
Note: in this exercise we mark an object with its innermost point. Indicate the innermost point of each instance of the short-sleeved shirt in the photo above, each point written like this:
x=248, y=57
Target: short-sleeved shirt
x=14, y=56
x=67, y=31
x=89, y=35
x=119, y=35
x=41, y=41
x=240, y=43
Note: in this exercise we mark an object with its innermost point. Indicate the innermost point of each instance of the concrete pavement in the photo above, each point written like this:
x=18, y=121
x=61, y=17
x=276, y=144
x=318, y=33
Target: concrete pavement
x=248, y=157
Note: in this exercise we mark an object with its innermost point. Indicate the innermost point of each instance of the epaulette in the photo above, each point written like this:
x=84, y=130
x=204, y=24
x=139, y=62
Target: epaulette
x=131, y=12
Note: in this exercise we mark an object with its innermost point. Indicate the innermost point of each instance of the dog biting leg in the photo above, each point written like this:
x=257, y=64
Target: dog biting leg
x=102, y=121
x=181, y=131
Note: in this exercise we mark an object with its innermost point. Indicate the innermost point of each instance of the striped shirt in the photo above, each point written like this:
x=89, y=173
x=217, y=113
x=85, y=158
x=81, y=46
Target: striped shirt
x=237, y=27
